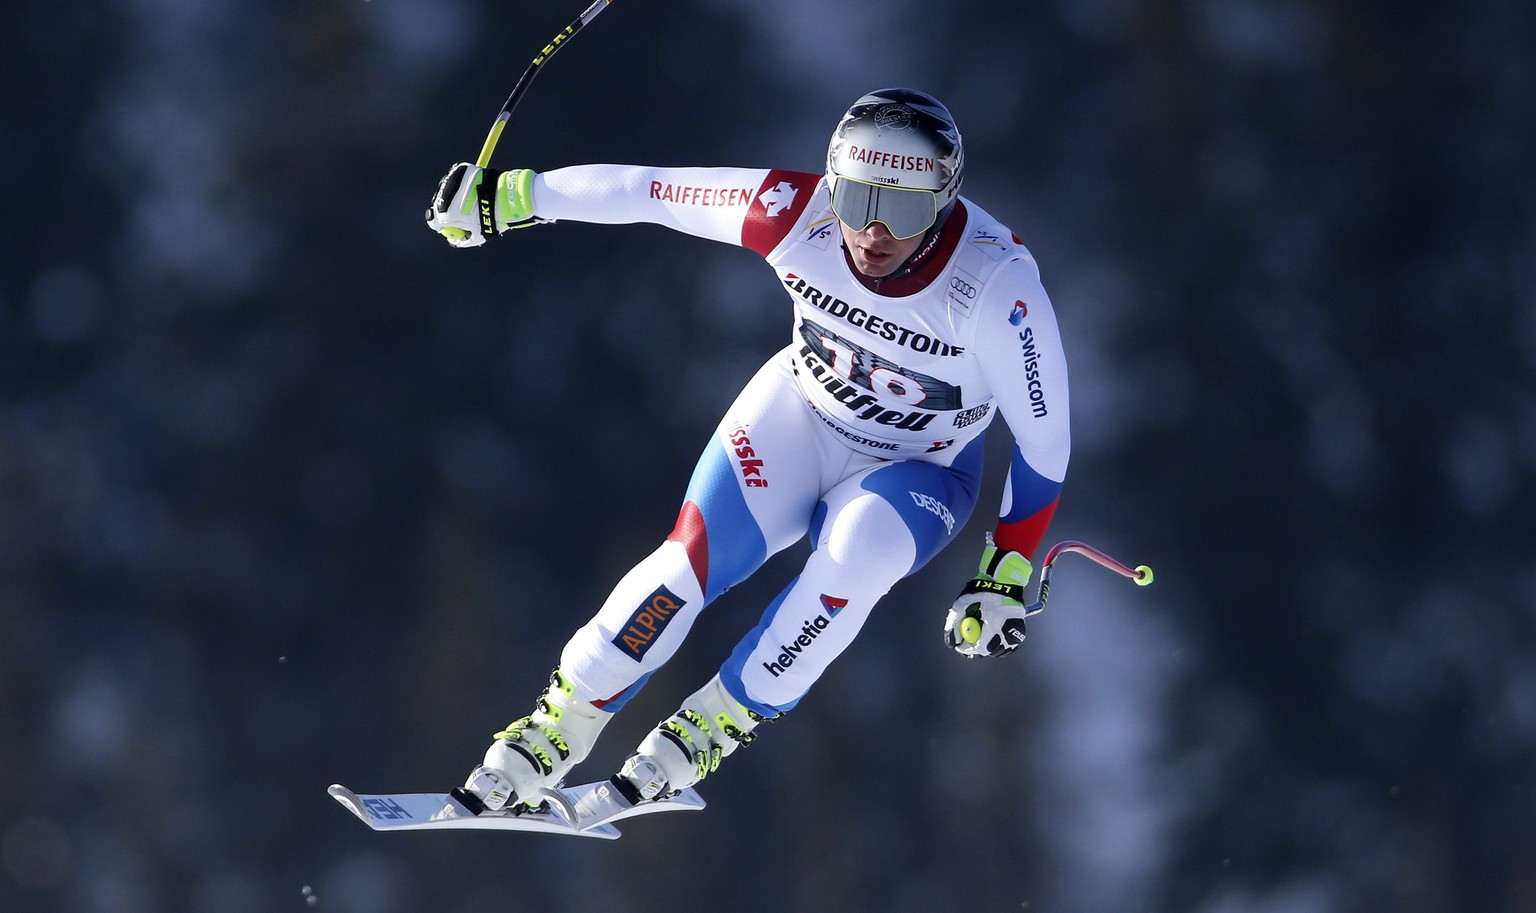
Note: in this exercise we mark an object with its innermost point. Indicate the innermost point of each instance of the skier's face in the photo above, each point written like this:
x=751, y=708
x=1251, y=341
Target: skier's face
x=875, y=251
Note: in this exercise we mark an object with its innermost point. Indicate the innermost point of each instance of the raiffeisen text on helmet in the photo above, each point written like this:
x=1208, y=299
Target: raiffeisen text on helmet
x=899, y=138
x=894, y=161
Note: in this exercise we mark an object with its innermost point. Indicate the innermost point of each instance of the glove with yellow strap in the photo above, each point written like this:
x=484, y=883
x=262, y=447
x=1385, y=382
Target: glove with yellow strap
x=473, y=203
x=988, y=617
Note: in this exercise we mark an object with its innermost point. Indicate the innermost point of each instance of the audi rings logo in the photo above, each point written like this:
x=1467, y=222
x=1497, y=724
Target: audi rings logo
x=963, y=287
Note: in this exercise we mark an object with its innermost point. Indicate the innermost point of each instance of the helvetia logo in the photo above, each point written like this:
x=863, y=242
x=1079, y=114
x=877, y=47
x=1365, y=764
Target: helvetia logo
x=809, y=631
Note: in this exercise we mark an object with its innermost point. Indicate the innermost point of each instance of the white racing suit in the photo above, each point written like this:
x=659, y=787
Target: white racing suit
x=864, y=432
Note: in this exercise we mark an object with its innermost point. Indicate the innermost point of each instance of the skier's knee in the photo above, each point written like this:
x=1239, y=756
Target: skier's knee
x=875, y=541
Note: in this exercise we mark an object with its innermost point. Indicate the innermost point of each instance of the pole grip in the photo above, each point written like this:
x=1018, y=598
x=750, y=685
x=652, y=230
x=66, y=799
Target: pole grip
x=491, y=139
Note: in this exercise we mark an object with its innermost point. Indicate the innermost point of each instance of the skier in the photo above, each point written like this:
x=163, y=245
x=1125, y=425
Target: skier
x=917, y=317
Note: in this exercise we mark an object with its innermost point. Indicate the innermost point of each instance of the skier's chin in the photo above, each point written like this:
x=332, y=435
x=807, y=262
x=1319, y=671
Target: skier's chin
x=875, y=265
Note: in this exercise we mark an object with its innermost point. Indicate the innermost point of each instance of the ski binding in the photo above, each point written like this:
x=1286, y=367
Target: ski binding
x=588, y=810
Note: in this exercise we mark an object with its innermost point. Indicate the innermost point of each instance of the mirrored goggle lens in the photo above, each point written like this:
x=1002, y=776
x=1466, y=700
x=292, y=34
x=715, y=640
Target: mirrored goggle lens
x=905, y=212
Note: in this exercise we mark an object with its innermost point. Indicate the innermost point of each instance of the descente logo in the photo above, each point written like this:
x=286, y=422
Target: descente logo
x=936, y=507
x=809, y=631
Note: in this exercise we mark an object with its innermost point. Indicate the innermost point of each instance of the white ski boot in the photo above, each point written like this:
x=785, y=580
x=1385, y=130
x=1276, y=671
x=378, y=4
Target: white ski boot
x=538, y=750
x=688, y=747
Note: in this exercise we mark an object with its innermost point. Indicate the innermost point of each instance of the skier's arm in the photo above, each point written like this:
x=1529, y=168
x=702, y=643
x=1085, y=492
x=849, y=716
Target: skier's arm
x=1020, y=352
x=709, y=203
x=750, y=207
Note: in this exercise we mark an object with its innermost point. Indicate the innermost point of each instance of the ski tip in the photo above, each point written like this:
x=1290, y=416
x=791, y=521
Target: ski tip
x=349, y=799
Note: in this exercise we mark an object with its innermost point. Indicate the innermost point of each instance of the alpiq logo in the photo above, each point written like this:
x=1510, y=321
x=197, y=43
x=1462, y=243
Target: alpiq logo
x=647, y=622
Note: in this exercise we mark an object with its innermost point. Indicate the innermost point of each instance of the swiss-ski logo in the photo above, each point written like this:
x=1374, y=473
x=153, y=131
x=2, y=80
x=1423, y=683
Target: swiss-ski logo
x=750, y=463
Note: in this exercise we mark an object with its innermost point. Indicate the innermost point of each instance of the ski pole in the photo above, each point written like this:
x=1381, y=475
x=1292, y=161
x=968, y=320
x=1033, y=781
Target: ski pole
x=521, y=89
x=1140, y=575
x=526, y=80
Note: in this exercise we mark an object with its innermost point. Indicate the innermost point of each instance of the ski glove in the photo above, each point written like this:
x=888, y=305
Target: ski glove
x=472, y=204
x=988, y=617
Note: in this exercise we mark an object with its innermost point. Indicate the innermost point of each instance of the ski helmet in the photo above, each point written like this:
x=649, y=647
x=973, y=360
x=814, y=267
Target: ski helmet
x=895, y=158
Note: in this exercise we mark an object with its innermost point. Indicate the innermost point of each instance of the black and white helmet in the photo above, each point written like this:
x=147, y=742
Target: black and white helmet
x=896, y=157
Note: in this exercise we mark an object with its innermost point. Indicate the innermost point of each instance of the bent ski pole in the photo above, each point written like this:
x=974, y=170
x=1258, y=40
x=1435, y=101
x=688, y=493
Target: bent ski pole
x=1140, y=575
x=524, y=81
x=521, y=89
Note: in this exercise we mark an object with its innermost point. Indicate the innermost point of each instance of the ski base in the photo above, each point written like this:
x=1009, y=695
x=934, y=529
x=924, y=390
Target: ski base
x=588, y=810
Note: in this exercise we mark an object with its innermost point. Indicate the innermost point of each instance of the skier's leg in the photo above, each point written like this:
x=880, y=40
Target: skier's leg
x=872, y=530
x=752, y=493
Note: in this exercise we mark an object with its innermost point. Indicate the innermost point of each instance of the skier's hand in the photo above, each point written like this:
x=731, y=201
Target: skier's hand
x=472, y=204
x=988, y=617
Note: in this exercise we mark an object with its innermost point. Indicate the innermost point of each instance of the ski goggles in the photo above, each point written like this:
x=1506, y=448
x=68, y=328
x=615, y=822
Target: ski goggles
x=904, y=211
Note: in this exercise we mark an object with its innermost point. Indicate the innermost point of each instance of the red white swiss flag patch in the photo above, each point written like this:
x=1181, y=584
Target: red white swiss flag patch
x=776, y=208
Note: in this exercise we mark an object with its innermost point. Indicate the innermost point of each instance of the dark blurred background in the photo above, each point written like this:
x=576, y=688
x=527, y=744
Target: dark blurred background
x=292, y=493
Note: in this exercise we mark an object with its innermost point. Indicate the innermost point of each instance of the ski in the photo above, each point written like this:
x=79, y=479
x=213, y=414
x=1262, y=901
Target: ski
x=588, y=810
x=598, y=804
x=442, y=811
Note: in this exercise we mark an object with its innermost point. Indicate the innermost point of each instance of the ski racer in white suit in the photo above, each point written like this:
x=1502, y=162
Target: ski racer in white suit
x=917, y=317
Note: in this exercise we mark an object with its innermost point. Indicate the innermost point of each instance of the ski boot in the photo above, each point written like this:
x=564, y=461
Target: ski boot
x=688, y=747
x=538, y=750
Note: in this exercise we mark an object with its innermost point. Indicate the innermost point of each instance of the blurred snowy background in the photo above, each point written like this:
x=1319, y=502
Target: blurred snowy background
x=293, y=493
